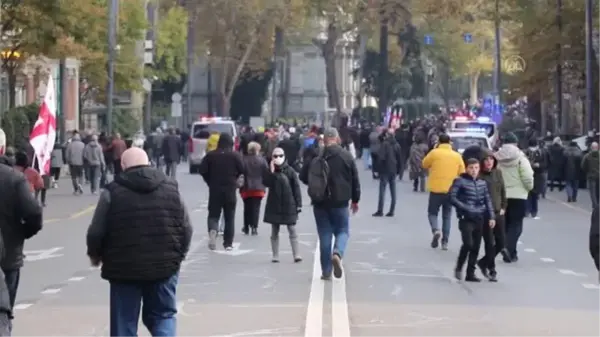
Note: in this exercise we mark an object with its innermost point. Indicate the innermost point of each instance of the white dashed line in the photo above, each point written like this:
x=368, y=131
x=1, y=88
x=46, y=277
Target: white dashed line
x=51, y=291
x=76, y=279
x=547, y=259
x=571, y=273
x=22, y=306
x=529, y=250
x=590, y=286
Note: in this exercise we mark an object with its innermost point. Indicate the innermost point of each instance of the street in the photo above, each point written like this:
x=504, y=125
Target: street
x=394, y=283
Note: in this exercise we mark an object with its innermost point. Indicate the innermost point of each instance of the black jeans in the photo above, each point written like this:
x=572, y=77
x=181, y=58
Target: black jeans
x=515, y=212
x=384, y=180
x=222, y=201
x=42, y=195
x=251, y=212
x=470, y=232
x=375, y=164
x=55, y=173
x=494, y=241
x=12, y=277
x=117, y=169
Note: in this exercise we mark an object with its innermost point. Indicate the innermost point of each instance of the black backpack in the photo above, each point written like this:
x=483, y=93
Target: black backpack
x=318, y=175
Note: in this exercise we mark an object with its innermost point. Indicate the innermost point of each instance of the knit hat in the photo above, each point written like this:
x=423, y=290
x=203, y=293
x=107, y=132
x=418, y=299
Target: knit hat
x=509, y=138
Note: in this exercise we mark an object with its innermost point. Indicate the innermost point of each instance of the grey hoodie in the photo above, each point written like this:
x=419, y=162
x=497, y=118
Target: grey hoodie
x=516, y=171
x=74, y=151
x=92, y=153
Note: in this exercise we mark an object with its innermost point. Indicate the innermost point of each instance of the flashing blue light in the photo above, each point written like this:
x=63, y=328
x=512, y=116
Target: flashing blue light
x=428, y=39
x=468, y=37
x=483, y=119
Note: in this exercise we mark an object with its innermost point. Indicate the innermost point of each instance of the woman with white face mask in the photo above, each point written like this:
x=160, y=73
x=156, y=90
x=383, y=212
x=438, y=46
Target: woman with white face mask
x=284, y=202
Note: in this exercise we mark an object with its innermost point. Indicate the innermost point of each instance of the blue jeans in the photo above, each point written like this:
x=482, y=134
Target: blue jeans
x=366, y=157
x=532, y=203
x=331, y=222
x=572, y=186
x=158, y=311
x=385, y=180
x=437, y=201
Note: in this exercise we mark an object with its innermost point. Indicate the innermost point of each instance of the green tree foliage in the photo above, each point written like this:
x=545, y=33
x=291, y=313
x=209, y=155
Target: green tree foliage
x=17, y=124
x=171, y=45
x=125, y=122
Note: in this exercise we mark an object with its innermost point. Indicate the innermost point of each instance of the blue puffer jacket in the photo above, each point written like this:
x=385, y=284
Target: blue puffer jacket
x=471, y=198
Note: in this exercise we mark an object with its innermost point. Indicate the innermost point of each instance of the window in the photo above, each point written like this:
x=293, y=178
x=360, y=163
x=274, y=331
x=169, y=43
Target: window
x=203, y=131
x=461, y=143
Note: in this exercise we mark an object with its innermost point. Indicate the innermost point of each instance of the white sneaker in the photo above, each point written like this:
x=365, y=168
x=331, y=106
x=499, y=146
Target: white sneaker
x=536, y=218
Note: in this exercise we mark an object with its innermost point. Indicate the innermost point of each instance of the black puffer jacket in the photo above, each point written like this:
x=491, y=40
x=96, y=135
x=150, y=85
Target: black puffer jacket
x=595, y=238
x=471, y=198
x=140, y=229
x=285, y=199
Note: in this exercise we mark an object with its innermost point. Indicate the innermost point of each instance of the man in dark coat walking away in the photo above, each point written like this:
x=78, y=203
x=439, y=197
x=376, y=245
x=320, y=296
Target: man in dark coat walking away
x=389, y=163
x=572, y=170
x=140, y=233
x=539, y=163
x=20, y=219
x=222, y=169
x=171, y=145
x=595, y=238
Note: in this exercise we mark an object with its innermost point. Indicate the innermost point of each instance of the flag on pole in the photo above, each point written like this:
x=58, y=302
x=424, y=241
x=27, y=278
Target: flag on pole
x=43, y=134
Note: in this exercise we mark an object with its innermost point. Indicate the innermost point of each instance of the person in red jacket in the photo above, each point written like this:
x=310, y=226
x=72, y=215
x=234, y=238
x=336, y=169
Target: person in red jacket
x=34, y=178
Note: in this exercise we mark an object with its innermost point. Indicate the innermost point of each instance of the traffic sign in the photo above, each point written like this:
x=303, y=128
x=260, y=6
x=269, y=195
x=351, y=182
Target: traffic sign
x=468, y=37
x=428, y=39
x=176, y=109
x=176, y=97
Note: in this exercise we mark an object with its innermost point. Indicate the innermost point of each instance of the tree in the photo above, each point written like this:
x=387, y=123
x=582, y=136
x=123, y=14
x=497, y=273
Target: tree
x=171, y=46
x=237, y=37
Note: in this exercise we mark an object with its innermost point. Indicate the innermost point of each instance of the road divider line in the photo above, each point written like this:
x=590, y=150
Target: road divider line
x=547, y=259
x=51, y=291
x=313, y=326
x=340, y=322
x=83, y=212
x=529, y=250
x=22, y=306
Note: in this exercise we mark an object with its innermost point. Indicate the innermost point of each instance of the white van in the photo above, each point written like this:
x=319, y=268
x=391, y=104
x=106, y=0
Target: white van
x=201, y=130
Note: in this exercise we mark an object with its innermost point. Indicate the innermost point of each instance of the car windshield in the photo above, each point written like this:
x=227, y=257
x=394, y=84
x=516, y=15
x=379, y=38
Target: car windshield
x=203, y=131
x=489, y=129
x=463, y=142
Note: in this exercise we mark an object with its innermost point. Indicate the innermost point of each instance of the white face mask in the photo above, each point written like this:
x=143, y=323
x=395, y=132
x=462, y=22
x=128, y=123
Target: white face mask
x=279, y=160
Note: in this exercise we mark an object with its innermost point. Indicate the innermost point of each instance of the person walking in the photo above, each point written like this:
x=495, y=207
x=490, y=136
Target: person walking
x=94, y=156
x=444, y=165
x=470, y=196
x=418, y=151
x=591, y=168
x=253, y=190
x=573, y=158
x=284, y=203
x=56, y=163
x=140, y=233
x=33, y=177
x=117, y=147
x=389, y=163
x=517, y=174
x=537, y=159
x=332, y=179
x=74, y=156
x=221, y=169
x=375, y=143
x=170, y=151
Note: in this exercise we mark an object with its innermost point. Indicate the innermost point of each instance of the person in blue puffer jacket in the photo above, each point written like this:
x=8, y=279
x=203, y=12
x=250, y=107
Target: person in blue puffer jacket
x=471, y=198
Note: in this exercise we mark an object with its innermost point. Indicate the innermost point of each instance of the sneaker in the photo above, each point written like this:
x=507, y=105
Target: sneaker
x=536, y=217
x=444, y=245
x=458, y=275
x=435, y=241
x=505, y=256
x=336, y=260
x=254, y=231
x=326, y=277
x=390, y=214
x=297, y=259
x=245, y=230
x=472, y=278
x=493, y=276
x=483, y=268
x=275, y=260
x=212, y=240
x=378, y=214
x=228, y=248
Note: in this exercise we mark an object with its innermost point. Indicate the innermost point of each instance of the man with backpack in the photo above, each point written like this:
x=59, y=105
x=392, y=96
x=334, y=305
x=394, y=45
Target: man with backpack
x=332, y=179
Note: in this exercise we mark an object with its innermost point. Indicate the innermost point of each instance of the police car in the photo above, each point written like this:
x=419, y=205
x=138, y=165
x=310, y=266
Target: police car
x=201, y=131
x=477, y=125
x=462, y=140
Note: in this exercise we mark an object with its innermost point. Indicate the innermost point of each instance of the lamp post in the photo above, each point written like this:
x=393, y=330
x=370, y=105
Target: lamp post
x=589, y=56
x=428, y=79
x=497, y=57
x=113, y=11
x=209, y=84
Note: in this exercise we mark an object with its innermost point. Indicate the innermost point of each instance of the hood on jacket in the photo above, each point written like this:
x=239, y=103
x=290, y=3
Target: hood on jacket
x=93, y=143
x=8, y=161
x=225, y=141
x=509, y=155
x=487, y=153
x=141, y=179
x=332, y=151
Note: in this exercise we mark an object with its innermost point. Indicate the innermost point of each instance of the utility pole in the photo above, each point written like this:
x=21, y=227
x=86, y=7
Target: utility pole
x=151, y=14
x=497, y=59
x=383, y=62
x=589, y=57
x=62, y=89
x=562, y=117
x=187, y=117
x=276, y=69
x=113, y=11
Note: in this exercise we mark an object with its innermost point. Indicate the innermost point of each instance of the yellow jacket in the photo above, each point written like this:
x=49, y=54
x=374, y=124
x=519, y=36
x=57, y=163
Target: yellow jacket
x=444, y=165
x=212, y=142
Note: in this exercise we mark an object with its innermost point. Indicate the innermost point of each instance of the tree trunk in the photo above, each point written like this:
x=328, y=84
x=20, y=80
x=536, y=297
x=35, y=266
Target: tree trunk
x=12, y=87
x=329, y=56
x=473, y=89
x=232, y=82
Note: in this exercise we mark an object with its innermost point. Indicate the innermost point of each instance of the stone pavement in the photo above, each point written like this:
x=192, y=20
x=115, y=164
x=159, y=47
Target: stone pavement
x=394, y=283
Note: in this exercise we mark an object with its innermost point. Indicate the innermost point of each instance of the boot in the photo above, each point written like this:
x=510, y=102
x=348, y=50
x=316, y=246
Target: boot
x=212, y=239
x=275, y=249
x=295, y=249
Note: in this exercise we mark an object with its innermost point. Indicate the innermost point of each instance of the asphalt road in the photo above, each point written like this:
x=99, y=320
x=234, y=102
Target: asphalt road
x=394, y=283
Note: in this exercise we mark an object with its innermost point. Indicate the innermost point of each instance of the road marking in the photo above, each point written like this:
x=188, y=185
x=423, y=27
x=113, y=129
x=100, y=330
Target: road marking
x=76, y=279
x=314, y=311
x=529, y=250
x=340, y=322
x=571, y=273
x=51, y=291
x=381, y=255
x=573, y=207
x=83, y=212
x=397, y=290
x=22, y=306
x=519, y=242
x=389, y=273
x=42, y=254
x=547, y=259
x=236, y=251
x=590, y=286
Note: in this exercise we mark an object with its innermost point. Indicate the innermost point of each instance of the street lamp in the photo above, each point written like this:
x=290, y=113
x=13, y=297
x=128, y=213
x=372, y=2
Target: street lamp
x=209, y=85
x=429, y=68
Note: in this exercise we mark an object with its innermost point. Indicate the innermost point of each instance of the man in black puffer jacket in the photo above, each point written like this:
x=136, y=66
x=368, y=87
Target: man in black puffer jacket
x=140, y=233
x=595, y=238
x=471, y=198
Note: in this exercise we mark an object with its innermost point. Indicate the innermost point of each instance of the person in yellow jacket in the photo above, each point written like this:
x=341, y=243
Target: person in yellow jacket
x=444, y=165
x=212, y=142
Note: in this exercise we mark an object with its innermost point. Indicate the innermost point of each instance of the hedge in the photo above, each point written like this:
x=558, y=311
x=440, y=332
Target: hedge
x=17, y=124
